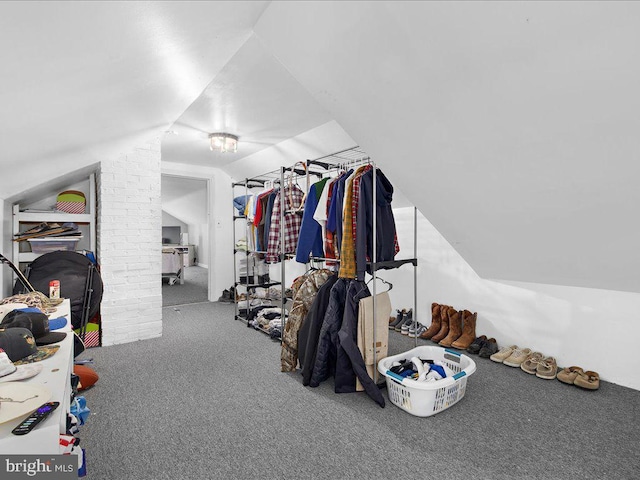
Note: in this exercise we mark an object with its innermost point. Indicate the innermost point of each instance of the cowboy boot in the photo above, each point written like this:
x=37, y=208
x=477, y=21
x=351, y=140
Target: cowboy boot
x=455, y=328
x=468, y=331
x=435, y=322
x=444, y=324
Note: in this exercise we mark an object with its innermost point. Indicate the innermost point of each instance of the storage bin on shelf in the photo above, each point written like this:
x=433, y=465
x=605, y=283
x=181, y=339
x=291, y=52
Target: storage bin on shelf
x=53, y=244
x=424, y=399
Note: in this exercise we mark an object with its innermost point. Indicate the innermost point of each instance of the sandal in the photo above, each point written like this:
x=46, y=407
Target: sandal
x=589, y=380
x=568, y=375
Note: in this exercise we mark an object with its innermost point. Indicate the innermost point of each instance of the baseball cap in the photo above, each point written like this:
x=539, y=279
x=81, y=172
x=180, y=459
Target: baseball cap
x=10, y=307
x=37, y=322
x=11, y=373
x=57, y=323
x=20, y=346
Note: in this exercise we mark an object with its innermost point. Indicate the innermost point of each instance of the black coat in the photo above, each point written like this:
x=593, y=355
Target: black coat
x=309, y=332
x=385, y=222
x=350, y=362
x=325, y=362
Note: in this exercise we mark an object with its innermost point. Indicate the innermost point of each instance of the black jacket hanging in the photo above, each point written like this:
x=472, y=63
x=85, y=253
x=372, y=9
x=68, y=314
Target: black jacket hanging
x=310, y=330
x=350, y=362
x=325, y=363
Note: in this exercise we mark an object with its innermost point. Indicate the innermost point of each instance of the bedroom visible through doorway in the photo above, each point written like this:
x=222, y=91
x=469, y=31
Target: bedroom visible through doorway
x=185, y=241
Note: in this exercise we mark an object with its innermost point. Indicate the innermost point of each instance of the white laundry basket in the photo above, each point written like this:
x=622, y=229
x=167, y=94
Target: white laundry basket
x=424, y=399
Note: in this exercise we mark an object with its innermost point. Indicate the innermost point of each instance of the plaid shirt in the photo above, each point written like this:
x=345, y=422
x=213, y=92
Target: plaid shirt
x=348, y=247
x=356, y=198
x=293, y=197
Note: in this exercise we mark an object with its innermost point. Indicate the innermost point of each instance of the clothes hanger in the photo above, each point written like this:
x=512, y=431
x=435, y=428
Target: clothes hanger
x=389, y=284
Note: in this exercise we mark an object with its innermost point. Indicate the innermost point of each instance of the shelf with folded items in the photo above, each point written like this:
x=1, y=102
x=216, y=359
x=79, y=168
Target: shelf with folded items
x=79, y=227
x=260, y=328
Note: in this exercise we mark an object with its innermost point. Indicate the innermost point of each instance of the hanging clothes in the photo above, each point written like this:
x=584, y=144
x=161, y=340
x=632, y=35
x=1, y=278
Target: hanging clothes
x=366, y=326
x=325, y=363
x=386, y=238
x=240, y=203
x=259, y=219
x=334, y=222
x=321, y=216
x=349, y=221
x=267, y=216
x=350, y=364
x=293, y=198
x=301, y=304
x=310, y=237
x=309, y=333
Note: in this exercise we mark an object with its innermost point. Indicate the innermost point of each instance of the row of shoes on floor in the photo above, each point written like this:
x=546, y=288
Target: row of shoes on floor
x=457, y=329
x=536, y=363
x=449, y=327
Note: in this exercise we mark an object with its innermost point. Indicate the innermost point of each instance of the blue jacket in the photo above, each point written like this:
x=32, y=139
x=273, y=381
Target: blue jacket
x=334, y=220
x=310, y=237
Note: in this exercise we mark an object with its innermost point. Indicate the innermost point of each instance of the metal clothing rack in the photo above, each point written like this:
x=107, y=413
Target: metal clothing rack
x=342, y=161
x=332, y=163
x=247, y=183
x=266, y=180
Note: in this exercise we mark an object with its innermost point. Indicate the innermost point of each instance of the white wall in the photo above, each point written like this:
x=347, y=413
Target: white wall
x=590, y=328
x=169, y=220
x=129, y=247
x=515, y=123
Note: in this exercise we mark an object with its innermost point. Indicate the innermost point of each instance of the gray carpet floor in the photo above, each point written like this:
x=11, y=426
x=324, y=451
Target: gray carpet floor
x=207, y=400
x=194, y=289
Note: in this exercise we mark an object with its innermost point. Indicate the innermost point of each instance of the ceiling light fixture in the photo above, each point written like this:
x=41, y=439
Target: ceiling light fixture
x=223, y=142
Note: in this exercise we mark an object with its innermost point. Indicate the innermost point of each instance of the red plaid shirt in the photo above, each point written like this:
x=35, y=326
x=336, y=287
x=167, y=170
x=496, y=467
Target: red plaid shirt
x=356, y=199
x=292, y=201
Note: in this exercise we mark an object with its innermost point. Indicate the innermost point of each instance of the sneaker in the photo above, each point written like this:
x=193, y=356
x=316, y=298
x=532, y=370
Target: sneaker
x=518, y=356
x=398, y=319
x=531, y=363
x=547, y=368
x=477, y=344
x=503, y=353
x=225, y=297
x=408, y=324
x=419, y=331
x=489, y=347
x=406, y=319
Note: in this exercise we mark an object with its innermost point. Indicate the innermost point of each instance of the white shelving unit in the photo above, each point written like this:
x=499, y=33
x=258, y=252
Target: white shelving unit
x=85, y=221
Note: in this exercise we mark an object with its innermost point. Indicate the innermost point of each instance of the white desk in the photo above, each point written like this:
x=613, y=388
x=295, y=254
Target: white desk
x=56, y=376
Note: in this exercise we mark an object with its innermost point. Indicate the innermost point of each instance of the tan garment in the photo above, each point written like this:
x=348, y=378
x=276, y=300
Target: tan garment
x=365, y=332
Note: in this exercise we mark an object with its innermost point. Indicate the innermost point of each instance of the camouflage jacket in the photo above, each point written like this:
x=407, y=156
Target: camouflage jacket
x=302, y=301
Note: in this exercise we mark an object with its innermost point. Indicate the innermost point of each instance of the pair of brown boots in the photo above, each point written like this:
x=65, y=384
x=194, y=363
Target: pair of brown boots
x=450, y=327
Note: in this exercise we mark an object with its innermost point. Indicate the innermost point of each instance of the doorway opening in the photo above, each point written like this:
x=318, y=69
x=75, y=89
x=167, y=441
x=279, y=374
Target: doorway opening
x=185, y=240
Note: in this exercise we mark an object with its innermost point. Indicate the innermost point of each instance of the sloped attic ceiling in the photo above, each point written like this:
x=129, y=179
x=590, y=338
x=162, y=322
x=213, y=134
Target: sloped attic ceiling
x=511, y=125
x=84, y=81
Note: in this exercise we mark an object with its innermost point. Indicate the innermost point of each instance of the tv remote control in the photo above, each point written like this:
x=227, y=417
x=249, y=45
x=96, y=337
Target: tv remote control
x=35, y=418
